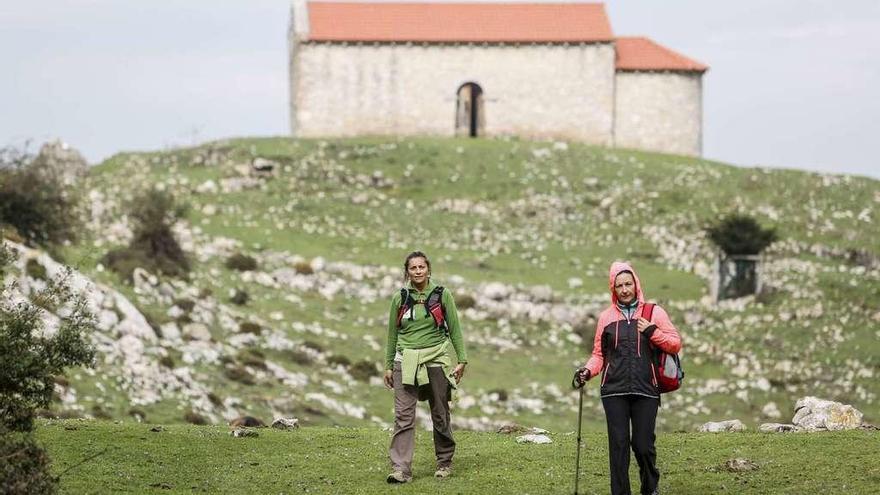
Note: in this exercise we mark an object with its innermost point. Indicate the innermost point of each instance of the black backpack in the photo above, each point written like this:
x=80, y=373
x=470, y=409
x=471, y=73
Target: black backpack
x=433, y=305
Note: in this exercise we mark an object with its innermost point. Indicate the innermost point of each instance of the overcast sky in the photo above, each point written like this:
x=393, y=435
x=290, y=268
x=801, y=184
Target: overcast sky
x=793, y=83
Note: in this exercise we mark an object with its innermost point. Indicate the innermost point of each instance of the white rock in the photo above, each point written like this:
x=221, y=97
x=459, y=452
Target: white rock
x=532, y=438
x=731, y=425
x=207, y=187
x=771, y=410
x=495, y=291
x=777, y=428
x=812, y=414
x=197, y=331
x=285, y=423
x=170, y=331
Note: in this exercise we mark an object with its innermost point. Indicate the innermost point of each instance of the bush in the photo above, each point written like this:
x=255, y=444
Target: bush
x=500, y=393
x=338, y=360
x=299, y=357
x=39, y=206
x=240, y=297
x=739, y=234
x=100, y=413
x=35, y=270
x=25, y=466
x=363, y=370
x=31, y=359
x=313, y=346
x=153, y=246
x=138, y=414
x=465, y=301
x=187, y=305
x=249, y=327
x=195, y=418
x=215, y=399
x=241, y=262
x=304, y=268
x=167, y=361
x=238, y=373
x=252, y=358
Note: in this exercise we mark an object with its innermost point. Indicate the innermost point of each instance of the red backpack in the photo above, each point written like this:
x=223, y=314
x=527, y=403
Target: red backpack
x=670, y=375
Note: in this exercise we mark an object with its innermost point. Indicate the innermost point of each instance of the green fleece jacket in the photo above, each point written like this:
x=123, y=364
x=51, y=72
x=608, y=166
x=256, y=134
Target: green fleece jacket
x=417, y=330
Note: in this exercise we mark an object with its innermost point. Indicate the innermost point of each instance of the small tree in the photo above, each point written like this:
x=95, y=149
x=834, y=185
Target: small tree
x=39, y=206
x=739, y=234
x=741, y=239
x=153, y=247
x=31, y=359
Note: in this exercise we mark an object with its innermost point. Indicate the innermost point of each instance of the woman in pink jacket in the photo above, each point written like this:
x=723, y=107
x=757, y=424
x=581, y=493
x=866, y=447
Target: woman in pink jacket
x=624, y=353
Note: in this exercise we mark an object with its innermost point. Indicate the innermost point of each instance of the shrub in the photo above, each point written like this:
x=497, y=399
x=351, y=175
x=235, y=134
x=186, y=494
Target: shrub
x=238, y=373
x=304, y=268
x=299, y=357
x=313, y=345
x=215, y=399
x=32, y=359
x=39, y=206
x=739, y=234
x=338, y=360
x=138, y=414
x=153, y=246
x=35, y=270
x=465, y=301
x=249, y=327
x=100, y=413
x=167, y=361
x=252, y=358
x=500, y=392
x=241, y=262
x=240, y=297
x=195, y=418
x=187, y=305
x=363, y=370
x=24, y=468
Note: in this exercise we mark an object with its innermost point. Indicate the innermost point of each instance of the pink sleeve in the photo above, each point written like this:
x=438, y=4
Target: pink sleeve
x=665, y=337
x=594, y=364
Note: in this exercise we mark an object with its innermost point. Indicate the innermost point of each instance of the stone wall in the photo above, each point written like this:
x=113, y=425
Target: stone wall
x=660, y=111
x=543, y=91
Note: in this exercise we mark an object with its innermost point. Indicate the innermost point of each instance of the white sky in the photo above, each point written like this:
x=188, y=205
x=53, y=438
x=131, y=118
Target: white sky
x=793, y=83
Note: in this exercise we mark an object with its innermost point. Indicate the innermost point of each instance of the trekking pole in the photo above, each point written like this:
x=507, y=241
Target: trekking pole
x=577, y=461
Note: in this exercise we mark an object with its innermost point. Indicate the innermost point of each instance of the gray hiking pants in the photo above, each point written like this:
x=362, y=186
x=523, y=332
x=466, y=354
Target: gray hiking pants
x=406, y=398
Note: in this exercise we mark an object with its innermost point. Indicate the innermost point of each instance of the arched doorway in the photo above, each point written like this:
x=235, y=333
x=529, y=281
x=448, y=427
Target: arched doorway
x=469, y=113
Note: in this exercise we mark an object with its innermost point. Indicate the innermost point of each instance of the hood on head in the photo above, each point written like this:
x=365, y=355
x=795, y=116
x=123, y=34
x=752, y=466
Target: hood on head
x=616, y=268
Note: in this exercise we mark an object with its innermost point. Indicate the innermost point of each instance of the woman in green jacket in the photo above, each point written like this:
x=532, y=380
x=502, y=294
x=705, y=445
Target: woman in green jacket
x=422, y=324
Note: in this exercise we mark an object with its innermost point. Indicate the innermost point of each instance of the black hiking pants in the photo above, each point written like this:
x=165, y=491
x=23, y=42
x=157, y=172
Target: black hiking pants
x=641, y=412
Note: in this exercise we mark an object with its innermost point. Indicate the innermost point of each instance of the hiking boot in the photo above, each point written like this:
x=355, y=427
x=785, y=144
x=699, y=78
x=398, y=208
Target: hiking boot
x=443, y=472
x=398, y=477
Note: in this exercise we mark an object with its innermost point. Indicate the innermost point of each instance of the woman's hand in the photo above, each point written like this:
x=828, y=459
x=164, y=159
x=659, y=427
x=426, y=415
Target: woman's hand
x=389, y=379
x=643, y=324
x=458, y=372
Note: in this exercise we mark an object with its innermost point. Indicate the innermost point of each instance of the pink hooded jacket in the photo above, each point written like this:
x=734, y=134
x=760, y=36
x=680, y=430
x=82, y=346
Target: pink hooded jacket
x=664, y=336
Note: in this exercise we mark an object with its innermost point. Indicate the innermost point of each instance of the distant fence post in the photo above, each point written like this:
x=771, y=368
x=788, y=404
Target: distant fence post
x=736, y=276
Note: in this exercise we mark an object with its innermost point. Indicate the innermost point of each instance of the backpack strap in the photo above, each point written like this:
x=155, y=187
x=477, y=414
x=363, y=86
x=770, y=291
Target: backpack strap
x=648, y=311
x=406, y=304
x=434, y=307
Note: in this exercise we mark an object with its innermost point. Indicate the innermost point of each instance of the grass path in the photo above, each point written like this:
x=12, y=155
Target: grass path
x=129, y=458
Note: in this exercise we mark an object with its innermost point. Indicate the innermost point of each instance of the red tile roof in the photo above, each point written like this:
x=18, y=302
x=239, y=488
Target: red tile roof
x=458, y=22
x=637, y=53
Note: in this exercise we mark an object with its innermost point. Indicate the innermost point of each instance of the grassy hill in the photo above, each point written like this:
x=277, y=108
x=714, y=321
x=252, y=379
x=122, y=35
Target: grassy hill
x=129, y=458
x=331, y=225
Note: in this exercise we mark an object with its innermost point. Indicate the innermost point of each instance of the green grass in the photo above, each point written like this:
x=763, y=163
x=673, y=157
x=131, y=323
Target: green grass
x=105, y=457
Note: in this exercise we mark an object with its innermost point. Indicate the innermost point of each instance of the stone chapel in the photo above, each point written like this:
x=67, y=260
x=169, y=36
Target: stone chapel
x=534, y=70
